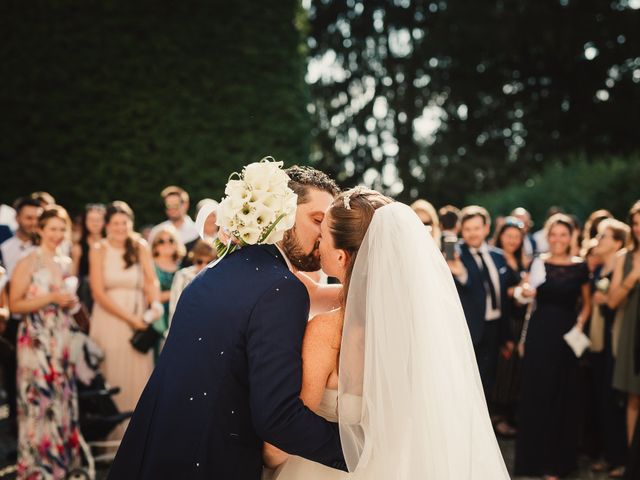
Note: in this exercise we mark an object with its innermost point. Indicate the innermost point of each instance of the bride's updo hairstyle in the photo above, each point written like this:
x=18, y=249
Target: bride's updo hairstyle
x=350, y=215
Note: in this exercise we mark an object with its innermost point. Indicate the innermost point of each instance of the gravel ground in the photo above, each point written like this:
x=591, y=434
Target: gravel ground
x=7, y=444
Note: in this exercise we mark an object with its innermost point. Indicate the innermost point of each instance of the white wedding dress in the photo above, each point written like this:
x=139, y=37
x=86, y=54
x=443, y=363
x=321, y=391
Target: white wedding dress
x=410, y=401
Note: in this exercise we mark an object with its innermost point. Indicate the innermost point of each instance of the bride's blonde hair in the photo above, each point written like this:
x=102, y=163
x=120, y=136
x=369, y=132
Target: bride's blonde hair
x=350, y=215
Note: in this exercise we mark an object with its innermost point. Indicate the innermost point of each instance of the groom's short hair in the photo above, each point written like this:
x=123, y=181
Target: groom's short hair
x=303, y=178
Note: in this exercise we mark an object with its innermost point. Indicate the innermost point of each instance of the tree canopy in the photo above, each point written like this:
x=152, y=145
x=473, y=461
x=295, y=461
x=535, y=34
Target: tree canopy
x=446, y=98
x=117, y=99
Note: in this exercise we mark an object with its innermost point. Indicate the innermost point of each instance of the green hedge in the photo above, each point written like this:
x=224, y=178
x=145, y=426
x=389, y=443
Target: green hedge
x=117, y=99
x=580, y=187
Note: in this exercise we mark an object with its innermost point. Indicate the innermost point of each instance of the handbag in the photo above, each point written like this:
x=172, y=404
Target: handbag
x=143, y=340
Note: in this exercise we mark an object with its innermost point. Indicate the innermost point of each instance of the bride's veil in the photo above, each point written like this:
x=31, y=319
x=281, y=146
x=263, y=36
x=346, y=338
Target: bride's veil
x=411, y=404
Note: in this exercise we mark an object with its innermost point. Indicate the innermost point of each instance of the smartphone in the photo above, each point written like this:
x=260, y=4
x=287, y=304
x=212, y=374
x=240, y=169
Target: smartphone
x=449, y=248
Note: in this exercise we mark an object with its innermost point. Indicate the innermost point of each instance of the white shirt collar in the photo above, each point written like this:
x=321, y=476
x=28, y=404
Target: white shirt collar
x=286, y=259
x=482, y=249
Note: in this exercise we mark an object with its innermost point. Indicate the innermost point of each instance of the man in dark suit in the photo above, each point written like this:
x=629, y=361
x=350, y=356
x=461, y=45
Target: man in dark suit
x=480, y=275
x=230, y=374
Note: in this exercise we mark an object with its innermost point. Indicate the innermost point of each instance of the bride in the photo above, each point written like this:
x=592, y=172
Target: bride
x=395, y=364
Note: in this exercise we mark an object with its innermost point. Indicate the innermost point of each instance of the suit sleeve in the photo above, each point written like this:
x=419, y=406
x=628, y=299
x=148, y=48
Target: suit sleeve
x=274, y=349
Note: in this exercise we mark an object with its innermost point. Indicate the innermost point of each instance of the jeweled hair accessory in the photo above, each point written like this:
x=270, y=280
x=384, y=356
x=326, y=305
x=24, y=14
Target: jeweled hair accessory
x=346, y=200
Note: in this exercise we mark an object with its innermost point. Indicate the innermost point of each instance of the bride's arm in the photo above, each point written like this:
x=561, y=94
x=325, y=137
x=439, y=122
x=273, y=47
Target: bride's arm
x=318, y=361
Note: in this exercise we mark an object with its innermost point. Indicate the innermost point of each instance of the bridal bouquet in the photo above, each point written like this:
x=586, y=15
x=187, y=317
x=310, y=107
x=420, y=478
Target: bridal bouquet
x=258, y=207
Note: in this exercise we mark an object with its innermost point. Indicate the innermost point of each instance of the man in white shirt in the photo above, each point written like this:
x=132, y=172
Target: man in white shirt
x=176, y=204
x=480, y=275
x=27, y=213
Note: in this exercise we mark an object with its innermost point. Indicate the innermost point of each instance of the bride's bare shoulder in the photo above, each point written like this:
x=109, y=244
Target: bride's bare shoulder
x=324, y=327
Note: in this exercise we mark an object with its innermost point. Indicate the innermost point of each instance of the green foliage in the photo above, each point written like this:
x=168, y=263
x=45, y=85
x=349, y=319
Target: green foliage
x=514, y=84
x=116, y=100
x=578, y=186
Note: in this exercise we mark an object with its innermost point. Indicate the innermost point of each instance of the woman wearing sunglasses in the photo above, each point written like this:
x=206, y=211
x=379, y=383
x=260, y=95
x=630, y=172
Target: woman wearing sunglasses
x=168, y=251
x=200, y=256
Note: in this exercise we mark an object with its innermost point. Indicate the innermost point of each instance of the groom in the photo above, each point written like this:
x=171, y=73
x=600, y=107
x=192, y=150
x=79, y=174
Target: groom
x=230, y=374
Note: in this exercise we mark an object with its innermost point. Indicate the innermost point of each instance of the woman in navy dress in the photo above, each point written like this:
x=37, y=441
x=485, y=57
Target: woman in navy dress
x=547, y=441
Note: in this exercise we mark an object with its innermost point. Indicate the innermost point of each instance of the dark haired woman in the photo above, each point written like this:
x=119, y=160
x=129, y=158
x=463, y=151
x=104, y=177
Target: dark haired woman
x=48, y=430
x=123, y=283
x=91, y=232
x=547, y=441
x=510, y=239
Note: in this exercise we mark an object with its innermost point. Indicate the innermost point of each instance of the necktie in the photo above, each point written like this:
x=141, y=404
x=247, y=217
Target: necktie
x=488, y=284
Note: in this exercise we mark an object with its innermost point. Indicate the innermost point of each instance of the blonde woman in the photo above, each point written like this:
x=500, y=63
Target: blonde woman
x=123, y=283
x=429, y=217
x=167, y=251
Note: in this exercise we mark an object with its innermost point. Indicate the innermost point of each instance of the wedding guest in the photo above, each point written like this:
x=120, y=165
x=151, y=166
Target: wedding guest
x=200, y=255
x=429, y=218
x=4, y=314
x=123, y=283
x=591, y=256
x=610, y=412
x=13, y=249
x=547, y=439
x=480, y=276
x=590, y=229
x=540, y=237
x=27, y=212
x=43, y=198
x=510, y=239
x=210, y=229
x=449, y=221
x=92, y=231
x=176, y=203
x=48, y=428
x=167, y=251
x=145, y=231
x=530, y=247
x=625, y=294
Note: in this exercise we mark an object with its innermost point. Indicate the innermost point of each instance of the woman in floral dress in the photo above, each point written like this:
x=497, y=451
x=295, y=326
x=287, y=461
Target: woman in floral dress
x=48, y=430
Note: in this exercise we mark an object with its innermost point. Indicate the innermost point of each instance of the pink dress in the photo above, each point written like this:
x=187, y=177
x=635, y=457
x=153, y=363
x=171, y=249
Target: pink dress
x=123, y=366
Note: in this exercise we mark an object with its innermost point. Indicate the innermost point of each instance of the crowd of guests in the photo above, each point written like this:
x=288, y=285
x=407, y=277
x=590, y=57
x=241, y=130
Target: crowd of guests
x=52, y=272
x=521, y=292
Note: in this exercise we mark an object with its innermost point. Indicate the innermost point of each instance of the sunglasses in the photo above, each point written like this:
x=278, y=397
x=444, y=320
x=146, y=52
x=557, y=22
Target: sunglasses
x=162, y=241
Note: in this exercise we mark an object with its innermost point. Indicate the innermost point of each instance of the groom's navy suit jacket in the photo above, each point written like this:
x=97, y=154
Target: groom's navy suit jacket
x=229, y=378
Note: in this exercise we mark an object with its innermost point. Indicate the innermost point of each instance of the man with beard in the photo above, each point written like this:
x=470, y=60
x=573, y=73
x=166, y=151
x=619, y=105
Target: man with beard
x=230, y=374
